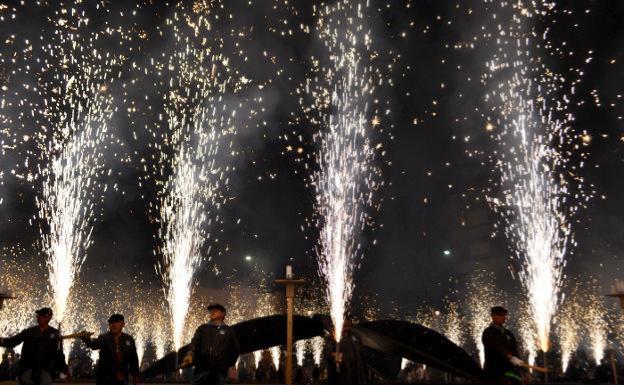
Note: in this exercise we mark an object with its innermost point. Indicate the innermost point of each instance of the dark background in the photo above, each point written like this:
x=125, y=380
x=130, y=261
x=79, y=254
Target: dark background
x=269, y=191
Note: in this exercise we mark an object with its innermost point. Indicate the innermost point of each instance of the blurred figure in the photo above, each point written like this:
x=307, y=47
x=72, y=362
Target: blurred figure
x=603, y=372
x=118, y=358
x=266, y=373
x=243, y=373
x=42, y=353
x=501, y=350
x=346, y=367
x=5, y=367
x=316, y=374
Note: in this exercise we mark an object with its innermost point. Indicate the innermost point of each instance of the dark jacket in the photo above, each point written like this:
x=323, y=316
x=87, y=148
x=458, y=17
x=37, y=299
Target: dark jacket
x=42, y=350
x=498, y=343
x=118, y=357
x=215, y=347
x=352, y=368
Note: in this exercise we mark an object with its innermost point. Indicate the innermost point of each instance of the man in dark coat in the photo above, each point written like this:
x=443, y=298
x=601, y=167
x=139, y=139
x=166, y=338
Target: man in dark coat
x=214, y=349
x=118, y=358
x=42, y=353
x=347, y=367
x=501, y=350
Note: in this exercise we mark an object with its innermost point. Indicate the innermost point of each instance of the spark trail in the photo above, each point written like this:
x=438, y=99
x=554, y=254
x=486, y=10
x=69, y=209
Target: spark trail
x=200, y=121
x=344, y=179
x=532, y=125
x=78, y=108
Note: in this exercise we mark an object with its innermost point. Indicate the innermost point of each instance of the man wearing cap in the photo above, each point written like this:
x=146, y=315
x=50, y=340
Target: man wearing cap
x=42, y=353
x=118, y=358
x=501, y=350
x=214, y=349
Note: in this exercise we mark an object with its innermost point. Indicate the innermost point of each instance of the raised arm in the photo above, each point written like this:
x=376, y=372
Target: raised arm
x=11, y=342
x=94, y=344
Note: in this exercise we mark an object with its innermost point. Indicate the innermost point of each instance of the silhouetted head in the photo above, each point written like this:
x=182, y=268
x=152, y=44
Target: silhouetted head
x=499, y=315
x=216, y=312
x=44, y=315
x=116, y=323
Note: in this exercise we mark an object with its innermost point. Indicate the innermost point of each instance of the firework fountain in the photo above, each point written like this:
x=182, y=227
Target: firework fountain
x=317, y=349
x=276, y=352
x=526, y=332
x=452, y=323
x=568, y=326
x=594, y=319
x=199, y=122
x=343, y=181
x=533, y=128
x=79, y=109
x=300, y=348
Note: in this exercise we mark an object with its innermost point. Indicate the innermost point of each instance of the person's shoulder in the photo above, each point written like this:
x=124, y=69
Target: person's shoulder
x=128, y=336
x=203, y=327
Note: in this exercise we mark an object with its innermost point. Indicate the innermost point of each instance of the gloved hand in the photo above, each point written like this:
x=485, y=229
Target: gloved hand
x=187, y=361
x=515, y=361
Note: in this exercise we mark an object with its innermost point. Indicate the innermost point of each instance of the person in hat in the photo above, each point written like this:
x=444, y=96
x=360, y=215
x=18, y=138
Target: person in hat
x=214, y=349
x=501, y=350
x=42, y=356
x=118, y=360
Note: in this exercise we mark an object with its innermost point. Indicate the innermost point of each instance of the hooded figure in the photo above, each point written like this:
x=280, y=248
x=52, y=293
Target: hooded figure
x=348, y=368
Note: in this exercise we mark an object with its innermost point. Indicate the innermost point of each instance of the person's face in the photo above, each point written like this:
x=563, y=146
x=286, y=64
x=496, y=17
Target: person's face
x=216, y=315
x=499, y=319
x=116, y=327
x=43, y=320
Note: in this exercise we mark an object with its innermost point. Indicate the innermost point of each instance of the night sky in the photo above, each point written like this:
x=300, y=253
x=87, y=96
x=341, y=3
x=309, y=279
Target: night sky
x=431, y=184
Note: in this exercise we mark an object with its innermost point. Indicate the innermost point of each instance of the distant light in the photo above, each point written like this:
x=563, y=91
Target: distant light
x=447, y=252
x=437, y=312
x=248, y=258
